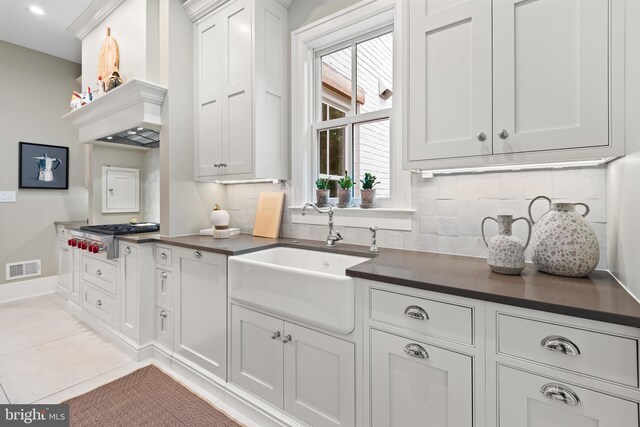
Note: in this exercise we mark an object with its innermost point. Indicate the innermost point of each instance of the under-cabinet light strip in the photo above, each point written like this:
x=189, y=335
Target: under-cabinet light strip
x=502, y=168
x=248, y=181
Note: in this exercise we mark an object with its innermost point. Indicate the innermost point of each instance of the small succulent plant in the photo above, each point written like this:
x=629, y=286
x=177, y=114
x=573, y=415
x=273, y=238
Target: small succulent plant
x=346, y=182
x=322, y=184
x=369, y=181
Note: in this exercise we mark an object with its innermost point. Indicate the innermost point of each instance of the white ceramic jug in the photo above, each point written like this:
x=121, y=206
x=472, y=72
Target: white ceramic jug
x=563, y=242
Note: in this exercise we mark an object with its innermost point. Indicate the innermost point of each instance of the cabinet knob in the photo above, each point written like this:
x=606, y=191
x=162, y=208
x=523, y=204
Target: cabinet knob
x=275, y=335
x=561, y=393
x=415, y=312
x=481, y=136
x=223, y=164
x=163, y=314
x=99, y=303
x=164, y=275
x=560, y=344
x=216, y=165
x=99, y=272
x=127, y=250
x=416, y=350
x=163, y=256
x=111, y=190
x=503, y=134
x=286, y=339
x=198, y=254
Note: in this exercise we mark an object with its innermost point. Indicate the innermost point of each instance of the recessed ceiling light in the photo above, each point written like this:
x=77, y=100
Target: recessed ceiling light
x=36, y=10
x=131, y=132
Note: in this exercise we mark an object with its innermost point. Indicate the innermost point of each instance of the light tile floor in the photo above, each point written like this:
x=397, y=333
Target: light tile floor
x=48, y=356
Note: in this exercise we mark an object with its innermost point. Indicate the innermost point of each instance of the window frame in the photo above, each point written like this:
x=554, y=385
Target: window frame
x=357, y=23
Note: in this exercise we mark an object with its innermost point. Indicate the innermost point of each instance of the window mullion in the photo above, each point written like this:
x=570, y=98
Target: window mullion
x=354, y=80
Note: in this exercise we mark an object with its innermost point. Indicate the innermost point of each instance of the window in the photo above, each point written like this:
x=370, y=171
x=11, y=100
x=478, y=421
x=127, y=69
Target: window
x=354, y=106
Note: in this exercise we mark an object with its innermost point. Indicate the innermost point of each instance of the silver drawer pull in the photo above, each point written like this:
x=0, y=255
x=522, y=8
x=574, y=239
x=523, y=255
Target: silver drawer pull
x=416, y=350
x=560, y=344
x=163, y=314
x=164, y=275
x=286, y=339
x=163, y=256
x=99, y=302
x=275, y=335
x=415, y=312
x=198, y=254
x=99, y=272
x=561, y=393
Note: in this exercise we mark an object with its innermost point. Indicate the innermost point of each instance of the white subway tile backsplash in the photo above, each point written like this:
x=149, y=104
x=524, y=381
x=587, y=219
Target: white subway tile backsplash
x=450, y=208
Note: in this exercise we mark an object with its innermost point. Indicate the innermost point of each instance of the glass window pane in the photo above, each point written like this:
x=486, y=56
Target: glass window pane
x=372, y=154
x=375, y=73
x=337, y=151
x=336, y=80
x=322, y=156
x=335, y=113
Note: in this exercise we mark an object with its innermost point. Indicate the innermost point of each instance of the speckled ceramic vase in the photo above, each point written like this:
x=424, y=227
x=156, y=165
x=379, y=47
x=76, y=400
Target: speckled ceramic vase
x=563, y=242
x=506, y=252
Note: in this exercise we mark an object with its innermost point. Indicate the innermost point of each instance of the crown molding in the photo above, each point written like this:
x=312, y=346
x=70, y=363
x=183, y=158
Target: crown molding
x=198, y=9
x=93, y=15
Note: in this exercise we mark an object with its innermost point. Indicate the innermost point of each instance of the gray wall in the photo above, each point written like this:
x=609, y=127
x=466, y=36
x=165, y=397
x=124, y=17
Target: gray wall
x=35, y=90
x=303, y=12
x=623, y=176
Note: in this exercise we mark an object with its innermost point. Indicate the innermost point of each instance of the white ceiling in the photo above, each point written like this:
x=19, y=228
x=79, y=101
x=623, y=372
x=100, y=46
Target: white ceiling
x=47, y=33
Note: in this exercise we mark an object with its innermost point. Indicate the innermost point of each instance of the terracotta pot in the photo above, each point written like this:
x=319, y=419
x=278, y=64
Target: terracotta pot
x=368, y=198
x=563, y=242
x=322, y=198
x=506, y=252
x=345, y=198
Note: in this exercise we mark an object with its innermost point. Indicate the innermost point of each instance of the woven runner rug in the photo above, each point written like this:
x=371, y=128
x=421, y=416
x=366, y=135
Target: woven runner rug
x=145, y=398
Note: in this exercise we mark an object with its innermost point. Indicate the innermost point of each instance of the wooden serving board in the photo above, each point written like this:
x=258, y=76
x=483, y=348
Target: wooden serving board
x=109, y=57
x=269, y=215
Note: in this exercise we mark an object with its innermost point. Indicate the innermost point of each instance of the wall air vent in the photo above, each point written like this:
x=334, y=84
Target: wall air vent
x=20, y=270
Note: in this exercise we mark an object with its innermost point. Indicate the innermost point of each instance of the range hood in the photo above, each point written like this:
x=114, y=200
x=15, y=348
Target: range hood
x=129, y=114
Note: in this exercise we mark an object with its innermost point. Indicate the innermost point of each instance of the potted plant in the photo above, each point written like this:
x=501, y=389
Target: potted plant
x=322, y=193
x=367, y=192
x=345, y=194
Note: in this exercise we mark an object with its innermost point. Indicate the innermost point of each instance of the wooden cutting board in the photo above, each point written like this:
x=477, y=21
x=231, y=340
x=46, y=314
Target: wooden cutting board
x=269, y=215
x=109, y=57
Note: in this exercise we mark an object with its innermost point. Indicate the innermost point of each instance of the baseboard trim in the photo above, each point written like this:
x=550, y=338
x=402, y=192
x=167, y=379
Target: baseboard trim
x=28, y=288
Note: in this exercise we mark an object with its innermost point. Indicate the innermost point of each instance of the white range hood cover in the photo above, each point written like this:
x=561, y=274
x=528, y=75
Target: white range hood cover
x=134, y=104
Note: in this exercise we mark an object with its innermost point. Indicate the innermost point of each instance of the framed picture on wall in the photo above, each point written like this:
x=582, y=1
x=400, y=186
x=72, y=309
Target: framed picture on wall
x=44, y=167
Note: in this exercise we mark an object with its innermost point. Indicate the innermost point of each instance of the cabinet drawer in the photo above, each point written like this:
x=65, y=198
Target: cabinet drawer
x=164, y=256
x=100, y=274
x=449, y=321
x=100, y=304
x=528, y=399
x=600, y=355
x=164, y=327
x=164, y=287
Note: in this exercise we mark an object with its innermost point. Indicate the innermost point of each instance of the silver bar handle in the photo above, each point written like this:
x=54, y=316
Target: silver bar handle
x=416, y=350
x=560, y=344
x=560, y=393
x=415, y=312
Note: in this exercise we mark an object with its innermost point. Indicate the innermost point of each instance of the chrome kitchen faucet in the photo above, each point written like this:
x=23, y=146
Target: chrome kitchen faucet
x=333, y=236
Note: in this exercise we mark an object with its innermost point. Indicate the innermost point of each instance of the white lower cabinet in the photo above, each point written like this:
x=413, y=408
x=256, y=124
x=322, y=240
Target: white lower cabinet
x=530, y=400
x=309, y=374
x=413, y=383
x=65, y=267
x=201, y=310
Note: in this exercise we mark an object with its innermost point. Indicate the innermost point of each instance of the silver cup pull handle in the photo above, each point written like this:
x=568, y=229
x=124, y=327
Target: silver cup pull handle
x=560, y=344
x=416, y=350
x=415, y=312
x=561, y=393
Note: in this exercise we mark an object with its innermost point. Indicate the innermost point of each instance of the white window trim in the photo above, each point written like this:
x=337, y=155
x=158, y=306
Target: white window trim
x=356, y=20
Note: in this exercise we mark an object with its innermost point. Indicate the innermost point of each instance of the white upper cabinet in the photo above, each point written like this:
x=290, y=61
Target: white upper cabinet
x=450, y=79
x=241, y=91
x=512, y=81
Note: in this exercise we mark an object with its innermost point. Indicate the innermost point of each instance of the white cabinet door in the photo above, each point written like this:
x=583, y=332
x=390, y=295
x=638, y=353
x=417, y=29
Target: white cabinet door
x=319, y=377
x=551, y=74
x=431, y=386
x=75, y=293
x=201, y=310
x=209, y=41
x=129, y=289
x=257, y=354
x=120, y=190
x=449, y=78
x=237, y=114
x=65, y=267
x=523, y=403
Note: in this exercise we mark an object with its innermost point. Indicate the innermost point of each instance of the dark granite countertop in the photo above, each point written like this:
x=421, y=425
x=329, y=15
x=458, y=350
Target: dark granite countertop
x=597, y=297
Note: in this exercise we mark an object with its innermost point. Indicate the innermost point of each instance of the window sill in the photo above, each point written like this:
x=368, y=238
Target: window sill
x=384, y=218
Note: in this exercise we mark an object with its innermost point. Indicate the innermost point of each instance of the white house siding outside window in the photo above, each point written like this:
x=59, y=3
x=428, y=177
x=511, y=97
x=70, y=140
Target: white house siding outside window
x=354, y=110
